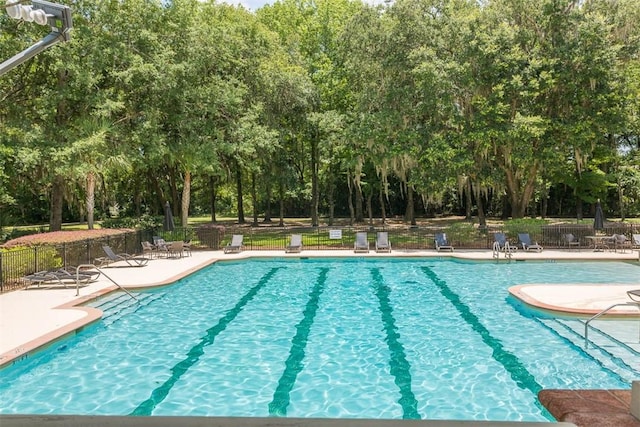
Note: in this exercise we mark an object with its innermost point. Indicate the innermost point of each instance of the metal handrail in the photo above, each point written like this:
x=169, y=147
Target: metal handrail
x=101, y=272
x=594, y=317
x=496, y=251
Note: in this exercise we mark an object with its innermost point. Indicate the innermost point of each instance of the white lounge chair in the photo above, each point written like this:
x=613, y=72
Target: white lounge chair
x=295, y=244
x=442, y=243
x=527, y=244
x=382, y=242
x=362, y=242
x=235, y=245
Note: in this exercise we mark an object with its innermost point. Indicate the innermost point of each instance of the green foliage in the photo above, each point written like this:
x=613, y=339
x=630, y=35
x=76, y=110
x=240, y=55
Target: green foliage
x=143, y=222
x=315, y=102
x=523, y=225
x=27, y=260
x=462, y=231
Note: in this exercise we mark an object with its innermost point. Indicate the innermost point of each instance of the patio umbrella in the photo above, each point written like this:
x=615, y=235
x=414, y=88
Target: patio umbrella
x=598, y=220
x=168, y=224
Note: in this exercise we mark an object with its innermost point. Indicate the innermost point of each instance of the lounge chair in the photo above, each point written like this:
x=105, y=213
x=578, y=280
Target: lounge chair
x=235, y=245
x=621, y=242
x=382, y=242
x=295, y=244
x=85, y=274
x=442, y=243
x=130, y=260
x=635, y=238
x=634, y=295
x=361, y=243
x=503, y=243
x=61, y=277
x=571, y=241
x=527, y=245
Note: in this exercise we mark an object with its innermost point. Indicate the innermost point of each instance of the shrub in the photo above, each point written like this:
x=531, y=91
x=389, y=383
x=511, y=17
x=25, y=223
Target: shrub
x=143, y=222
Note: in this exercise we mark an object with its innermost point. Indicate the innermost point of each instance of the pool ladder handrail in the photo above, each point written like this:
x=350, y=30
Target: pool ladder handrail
x=507, y=251
x=596, y=316
x=81, y=266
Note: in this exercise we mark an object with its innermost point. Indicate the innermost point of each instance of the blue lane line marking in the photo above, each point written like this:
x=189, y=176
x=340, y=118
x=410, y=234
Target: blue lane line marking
x=160, y=393
x=400, y=367
x=509, y=361
x=293, y=365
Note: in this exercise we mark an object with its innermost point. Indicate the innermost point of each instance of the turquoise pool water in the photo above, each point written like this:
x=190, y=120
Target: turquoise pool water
x=345, y=338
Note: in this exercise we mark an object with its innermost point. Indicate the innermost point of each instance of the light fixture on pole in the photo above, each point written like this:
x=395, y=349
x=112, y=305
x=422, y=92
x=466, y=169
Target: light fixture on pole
x=42, y=12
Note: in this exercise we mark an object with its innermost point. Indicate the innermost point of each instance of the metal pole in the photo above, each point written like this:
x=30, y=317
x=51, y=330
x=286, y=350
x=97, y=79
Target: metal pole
x=51, y=39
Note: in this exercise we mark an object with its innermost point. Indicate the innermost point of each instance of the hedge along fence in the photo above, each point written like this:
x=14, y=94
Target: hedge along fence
x=19, y=262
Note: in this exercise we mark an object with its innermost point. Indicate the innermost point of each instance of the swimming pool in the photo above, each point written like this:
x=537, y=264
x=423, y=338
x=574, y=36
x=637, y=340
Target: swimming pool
x=340, y=338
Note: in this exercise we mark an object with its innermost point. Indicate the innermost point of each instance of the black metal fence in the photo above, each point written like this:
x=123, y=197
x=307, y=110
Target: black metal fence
x=16, y=263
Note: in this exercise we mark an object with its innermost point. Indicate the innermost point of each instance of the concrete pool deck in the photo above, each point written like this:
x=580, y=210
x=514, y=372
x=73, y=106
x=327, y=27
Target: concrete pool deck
x=32, y=318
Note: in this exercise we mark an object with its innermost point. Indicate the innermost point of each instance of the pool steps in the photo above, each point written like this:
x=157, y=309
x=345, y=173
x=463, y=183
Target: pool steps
x=120, y=304
x=611, y=353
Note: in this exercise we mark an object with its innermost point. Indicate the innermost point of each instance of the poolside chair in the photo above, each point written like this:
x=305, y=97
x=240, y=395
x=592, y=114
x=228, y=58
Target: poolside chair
x=186, y=247
x=382, y=242
x=60, y=277
x=175, y=249
x=112, y=257
x=635, y=239
x=571, y=241
x=148, y=249
x=295, y=244
x=621, y=242
x=442, y=243
x=500, y=239
x=634, y=295
x=235, y=245
x=84, y=274
x=361, y=243
x=527, y=245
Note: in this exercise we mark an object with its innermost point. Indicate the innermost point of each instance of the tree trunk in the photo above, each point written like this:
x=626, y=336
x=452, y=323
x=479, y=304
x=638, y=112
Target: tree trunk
x=331, y=200
x=370, y=207
x=254, y=199
x=519, y=197
x=409, y=214
x=57, y=199
x=314, y=181
x=621, y=200
x=383, y=209
x=239, y=194
x=332, y=206
x=579, y=209
x=469, y=202
x=267, y=210
x=213, y=190
x=91, y=198
x=359, y=207
x=186, y=199
x=281, y=201
x=482, y=219
x=175, y=194
x=350, y=199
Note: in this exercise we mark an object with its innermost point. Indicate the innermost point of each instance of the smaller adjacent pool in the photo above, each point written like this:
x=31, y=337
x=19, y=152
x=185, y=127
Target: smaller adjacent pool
x=341, y=338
